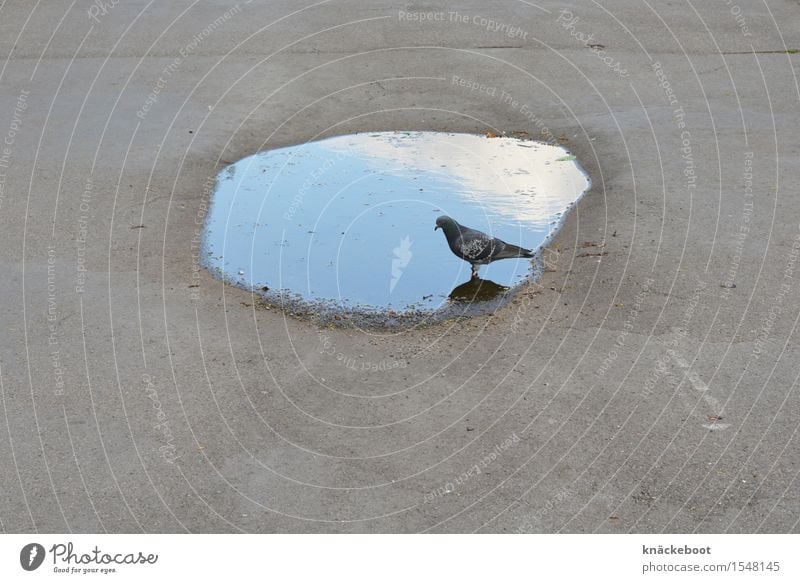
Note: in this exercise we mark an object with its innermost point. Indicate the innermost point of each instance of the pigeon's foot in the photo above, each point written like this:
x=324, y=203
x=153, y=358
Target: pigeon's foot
x=474, y=271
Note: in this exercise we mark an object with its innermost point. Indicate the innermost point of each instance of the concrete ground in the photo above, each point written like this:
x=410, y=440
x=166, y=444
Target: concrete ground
x=648, y=383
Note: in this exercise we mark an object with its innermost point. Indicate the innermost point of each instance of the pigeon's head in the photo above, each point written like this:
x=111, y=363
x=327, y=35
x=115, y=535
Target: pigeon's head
x=444, y=222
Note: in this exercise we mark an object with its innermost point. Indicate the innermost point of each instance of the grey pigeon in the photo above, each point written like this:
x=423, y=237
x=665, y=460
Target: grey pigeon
x=475, y=247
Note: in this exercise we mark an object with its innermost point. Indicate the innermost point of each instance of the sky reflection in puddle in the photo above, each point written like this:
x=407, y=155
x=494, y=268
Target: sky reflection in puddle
x=349, y=221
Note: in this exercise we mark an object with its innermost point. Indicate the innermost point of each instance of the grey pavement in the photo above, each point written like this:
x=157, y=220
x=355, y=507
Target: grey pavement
x=647, y=383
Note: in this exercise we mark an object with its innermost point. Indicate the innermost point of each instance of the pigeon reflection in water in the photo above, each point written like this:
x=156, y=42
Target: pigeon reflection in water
x=476, y=289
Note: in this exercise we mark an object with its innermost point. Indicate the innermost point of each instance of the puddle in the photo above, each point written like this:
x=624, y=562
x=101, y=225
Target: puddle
x=344, y=227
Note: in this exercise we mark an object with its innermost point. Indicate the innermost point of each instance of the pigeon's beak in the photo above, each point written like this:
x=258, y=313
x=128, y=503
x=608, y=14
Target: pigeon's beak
x=436, y=228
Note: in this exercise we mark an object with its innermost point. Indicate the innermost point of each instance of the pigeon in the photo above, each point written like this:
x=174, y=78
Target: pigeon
x=475, y=247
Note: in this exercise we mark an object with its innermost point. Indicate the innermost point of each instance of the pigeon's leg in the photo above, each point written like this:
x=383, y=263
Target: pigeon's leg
x=474, y=270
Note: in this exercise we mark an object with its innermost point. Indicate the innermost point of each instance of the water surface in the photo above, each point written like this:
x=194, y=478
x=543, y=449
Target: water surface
x=348, y=222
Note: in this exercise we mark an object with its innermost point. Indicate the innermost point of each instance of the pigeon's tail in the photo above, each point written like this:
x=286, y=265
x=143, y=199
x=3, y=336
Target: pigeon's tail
x=510, y=251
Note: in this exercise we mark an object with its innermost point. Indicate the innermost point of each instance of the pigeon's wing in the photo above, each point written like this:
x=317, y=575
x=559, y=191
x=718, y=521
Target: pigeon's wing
x=479, y=247
x=476, y=246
